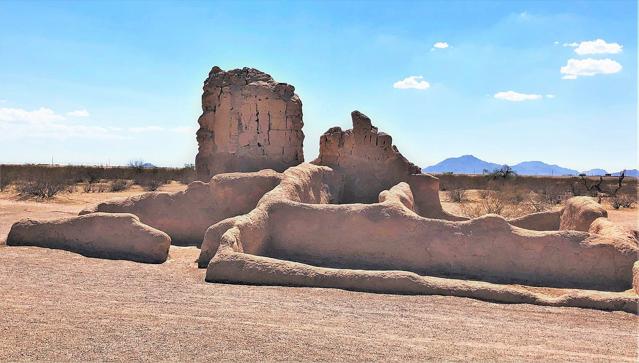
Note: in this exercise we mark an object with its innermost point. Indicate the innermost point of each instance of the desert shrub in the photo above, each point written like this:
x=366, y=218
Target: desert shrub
x=187, y=174
x=151, y=184
x=510, y=193
x=505, y=172
x=457, y=195
x=119, y=185
x=87, y=187
x=490, y=205
x=553, y=194
x=535, y=204
x=137, y=165
x=96, y=187
x=623, y=201
x=99, y=175
x=42, y=188
x=483, y=194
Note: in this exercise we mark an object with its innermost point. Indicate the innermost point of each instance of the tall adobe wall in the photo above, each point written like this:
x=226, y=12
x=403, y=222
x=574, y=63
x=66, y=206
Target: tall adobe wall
x=249, y=122
x=367, y=159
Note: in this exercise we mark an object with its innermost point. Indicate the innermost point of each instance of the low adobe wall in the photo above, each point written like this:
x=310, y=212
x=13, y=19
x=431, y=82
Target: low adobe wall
x=232, y=267
x=390, y=235
x=186, y=215
x=579, y=214
x=119, y=236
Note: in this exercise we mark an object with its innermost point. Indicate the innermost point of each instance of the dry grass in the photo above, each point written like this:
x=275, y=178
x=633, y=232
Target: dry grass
x=457, y=195
x=11, y=175
x=623, y=200
x=508, y=203
x=44, y=181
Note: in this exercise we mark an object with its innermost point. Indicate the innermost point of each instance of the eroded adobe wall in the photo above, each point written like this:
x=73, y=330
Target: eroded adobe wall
x=391, y=236
x=249, y=122
x=102, y=235
x=367, y=158
x=233, y=267
x=379, y=236
x=579, y=213
x=304, y=184
x=186, y=215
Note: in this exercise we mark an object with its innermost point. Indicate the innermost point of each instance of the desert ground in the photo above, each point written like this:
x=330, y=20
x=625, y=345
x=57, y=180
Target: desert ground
x=59, y=305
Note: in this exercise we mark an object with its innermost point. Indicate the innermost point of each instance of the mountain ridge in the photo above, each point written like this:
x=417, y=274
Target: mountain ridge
x=470, y=164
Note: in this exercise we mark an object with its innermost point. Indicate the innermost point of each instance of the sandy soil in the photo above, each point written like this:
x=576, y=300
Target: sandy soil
x=57, y=305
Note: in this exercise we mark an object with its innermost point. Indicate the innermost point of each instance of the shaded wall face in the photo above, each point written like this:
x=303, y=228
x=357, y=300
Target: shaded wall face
x=377, y=236
x=186, y=215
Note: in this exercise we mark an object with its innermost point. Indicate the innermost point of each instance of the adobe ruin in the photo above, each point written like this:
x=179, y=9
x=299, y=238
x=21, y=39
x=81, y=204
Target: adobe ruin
x=359, y=217
x=249, y=122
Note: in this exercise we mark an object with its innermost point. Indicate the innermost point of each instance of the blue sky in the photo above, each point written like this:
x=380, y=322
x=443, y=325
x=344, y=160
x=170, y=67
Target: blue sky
x=107, y=82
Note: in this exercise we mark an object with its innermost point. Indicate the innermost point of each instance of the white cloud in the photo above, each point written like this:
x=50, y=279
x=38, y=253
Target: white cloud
x=46, y=123
x=555, y=43
x=589, y=67
x=516, y=96
x=78, y=113
x=571, y=45
x=550, y=95
x=42, y=114
x=440, y=45
x=415, y=82
x=597, y=46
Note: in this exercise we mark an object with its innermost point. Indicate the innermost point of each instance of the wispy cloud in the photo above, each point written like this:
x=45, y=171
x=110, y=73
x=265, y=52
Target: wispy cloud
x=46, y=123
x=513, y=96
x=414, y=82
x=550, y=95
x=575, y=68
x=42, y=114
x=597, y=46
x=78, y=113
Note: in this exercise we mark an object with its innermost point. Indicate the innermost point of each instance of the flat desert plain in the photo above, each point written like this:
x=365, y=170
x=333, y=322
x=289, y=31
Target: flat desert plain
x=58, y=305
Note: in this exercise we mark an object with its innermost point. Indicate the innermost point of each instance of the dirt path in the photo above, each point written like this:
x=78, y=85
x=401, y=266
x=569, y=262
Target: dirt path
x=57, y=305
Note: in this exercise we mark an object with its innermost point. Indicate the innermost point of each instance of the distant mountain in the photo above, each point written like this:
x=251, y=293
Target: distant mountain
x=541, y=168
x=469, y=164
x=595, y=172
x=466, y=164
x=629, y=172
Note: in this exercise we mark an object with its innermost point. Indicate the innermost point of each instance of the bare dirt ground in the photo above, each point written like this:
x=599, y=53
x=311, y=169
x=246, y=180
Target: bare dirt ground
x=58, y=305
